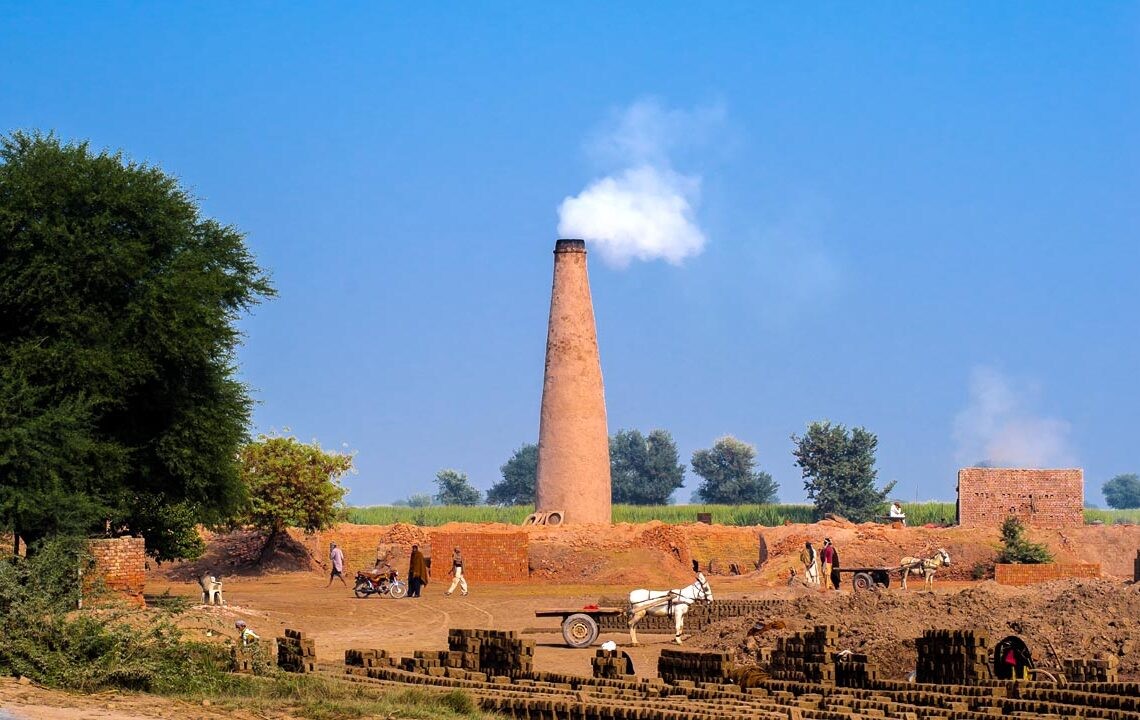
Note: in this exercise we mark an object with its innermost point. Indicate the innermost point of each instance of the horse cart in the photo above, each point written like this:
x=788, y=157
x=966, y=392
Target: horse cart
x=580, y=626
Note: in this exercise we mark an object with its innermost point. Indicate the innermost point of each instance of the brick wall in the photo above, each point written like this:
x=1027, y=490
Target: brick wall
x=1029, y=574
x=487, y=557
x=1039, y=498
x=121, y=565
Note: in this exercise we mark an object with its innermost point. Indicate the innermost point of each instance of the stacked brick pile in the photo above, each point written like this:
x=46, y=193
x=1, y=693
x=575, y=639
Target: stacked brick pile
x=678, y=666
x=494, y=652
x=366, y=658
x=431, y=662
x=241, y=658
x=609, y=664
x=1020, y=574
x=953, y=657
x=854, y=670
x=1040, y=498
x=487, y=556
x=120, y=565
x=699, y=616
x=295, y=653
x=806, y=656
x=1100, y=669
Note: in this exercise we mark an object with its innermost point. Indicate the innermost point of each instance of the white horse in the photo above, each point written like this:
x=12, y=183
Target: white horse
x=674, y=603
x=924, y=567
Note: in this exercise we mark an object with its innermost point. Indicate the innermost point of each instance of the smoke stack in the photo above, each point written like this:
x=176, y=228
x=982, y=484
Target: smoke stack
x=573, y=443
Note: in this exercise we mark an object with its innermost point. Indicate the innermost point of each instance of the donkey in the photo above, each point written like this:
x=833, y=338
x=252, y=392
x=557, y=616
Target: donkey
x=924, y=567
x=211, y=590
x=672, y=603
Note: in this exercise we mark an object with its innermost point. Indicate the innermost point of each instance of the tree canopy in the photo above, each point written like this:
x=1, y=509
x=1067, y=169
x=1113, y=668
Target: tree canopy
x=839, y=472
x=455, y=489
x=291, y=484
x=644, y=470
x=519, y=477
x=730, y=477
x=119, y=404
x=1123, y=491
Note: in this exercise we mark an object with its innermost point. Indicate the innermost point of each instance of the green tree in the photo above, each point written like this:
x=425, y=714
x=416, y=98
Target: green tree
x=454, y=489
x=1123, y=491
x=119, y=404
x=839, y=470
x=644, y=470
x=291, y=484
x=1016, y=548
x=519, y=477
x=729, y=475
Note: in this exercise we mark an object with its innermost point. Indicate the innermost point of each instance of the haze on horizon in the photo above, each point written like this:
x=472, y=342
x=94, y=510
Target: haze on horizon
x=921, y=220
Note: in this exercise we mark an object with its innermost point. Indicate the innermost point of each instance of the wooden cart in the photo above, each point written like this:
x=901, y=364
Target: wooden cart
x=580, y=626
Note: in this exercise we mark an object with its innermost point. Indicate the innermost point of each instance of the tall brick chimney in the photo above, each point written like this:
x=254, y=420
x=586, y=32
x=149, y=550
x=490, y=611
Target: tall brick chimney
x=573, y=443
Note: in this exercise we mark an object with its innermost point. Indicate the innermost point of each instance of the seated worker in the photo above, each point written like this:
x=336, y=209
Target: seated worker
x=896, y=513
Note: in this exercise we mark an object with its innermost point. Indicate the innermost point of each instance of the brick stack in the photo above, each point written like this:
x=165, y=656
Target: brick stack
x=806, y=656
x=494, y=652
x=854, y=670
x=1103, y=668
x=698, y=617
x=296, y=653
x=431, y=662
x=367, y=658
x=674, y=666
x=120, y=564
x=1040, y=498
x=610, y=664
x=241, y=658
x=487, y=556
x=1020, y=574
x=953, y=657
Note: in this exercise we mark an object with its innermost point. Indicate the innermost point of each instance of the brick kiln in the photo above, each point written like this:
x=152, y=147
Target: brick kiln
x=573, y=443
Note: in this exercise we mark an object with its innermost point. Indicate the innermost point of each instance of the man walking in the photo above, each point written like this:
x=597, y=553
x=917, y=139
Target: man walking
x=336, y=557
x=827, y=558
x=457, y=571
x=417, y=572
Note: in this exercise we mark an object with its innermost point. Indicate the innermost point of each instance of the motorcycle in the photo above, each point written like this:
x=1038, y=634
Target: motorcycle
x=382, y=582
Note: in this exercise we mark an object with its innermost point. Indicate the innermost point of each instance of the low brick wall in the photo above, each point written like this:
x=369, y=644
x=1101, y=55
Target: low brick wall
x=487, y=557
x=120, y=563
x=1017, y=574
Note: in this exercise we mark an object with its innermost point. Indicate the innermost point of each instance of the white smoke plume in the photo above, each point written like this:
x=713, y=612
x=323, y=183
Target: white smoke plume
x=644, y=209
x=998, y=426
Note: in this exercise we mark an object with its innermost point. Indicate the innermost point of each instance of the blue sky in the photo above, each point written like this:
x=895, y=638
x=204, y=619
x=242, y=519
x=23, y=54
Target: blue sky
x=921, y=219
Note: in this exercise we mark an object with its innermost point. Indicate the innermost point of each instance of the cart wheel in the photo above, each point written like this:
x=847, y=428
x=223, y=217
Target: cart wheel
x=398, y=589
x=862, y=581
x=579, y=630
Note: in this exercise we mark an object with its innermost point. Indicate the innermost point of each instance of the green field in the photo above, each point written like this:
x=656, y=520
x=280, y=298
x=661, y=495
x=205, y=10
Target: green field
x=938, y=513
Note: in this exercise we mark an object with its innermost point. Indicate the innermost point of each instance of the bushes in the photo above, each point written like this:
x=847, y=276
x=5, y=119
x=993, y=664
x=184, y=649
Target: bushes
x=1016, y=548
x=47, y=640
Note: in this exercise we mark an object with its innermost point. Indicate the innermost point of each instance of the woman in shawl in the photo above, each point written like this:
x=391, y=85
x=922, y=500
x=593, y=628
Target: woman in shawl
x=417, y=572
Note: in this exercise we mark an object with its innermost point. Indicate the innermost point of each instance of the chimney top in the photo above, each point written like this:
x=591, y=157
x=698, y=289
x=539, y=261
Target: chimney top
x=570, y=246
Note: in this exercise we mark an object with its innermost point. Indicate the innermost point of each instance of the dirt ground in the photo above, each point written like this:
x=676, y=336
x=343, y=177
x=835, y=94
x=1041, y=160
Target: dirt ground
x=573, y=567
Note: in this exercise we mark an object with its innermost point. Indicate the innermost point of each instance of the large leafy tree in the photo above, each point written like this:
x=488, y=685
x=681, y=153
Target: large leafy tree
x=1123, y=491
x=291, y=484
x=644, y=470
x=519, y=476
x=118, y=402
x=838, y=467
x=455, y=489
x=730, y=476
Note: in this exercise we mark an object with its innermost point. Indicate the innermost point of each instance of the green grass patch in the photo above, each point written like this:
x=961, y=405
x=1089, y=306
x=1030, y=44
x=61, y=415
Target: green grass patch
x=1113, y=517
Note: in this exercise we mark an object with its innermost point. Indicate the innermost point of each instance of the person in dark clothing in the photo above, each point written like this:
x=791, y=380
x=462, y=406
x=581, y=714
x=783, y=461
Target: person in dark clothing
x=417, y=572
x=834, y=567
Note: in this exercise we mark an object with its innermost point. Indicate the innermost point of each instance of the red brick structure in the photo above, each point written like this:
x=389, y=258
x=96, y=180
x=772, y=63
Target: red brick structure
x=120, y=563
x=487, y=557
x=573, y=442
x=1039, y=498
x=1017, y=574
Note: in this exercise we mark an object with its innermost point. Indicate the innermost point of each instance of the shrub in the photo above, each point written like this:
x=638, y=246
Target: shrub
x=1016, y=548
